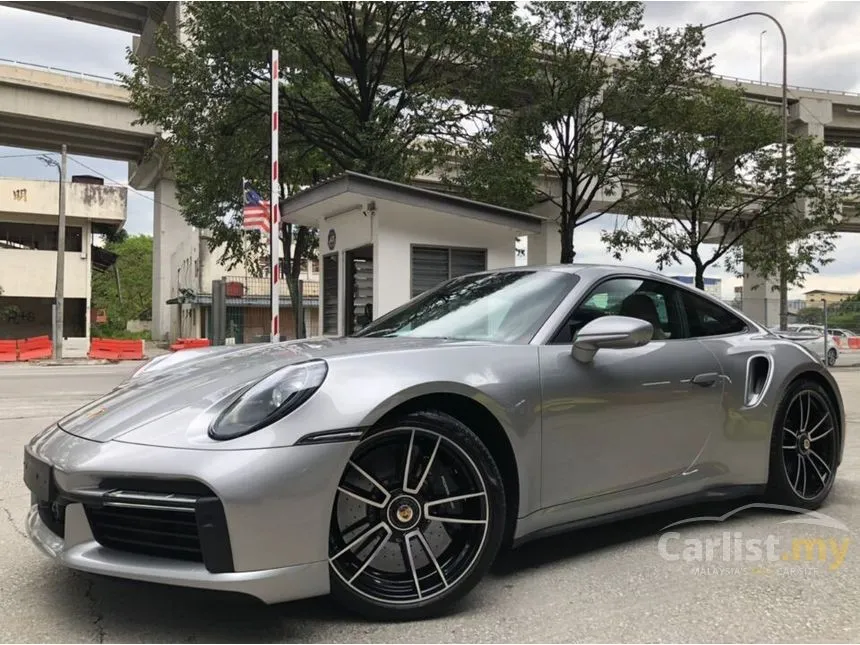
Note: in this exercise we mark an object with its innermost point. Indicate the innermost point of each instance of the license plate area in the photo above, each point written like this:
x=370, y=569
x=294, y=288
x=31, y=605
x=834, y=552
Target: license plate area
x=39, y=478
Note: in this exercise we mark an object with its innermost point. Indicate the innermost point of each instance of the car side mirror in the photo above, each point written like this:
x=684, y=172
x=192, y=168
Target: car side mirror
x=610, y=332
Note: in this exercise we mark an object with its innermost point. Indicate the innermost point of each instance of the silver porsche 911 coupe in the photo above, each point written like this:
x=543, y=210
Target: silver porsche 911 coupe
x=389, y=468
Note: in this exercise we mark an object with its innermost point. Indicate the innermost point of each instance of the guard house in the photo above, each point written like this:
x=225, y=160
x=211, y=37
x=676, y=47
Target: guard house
x=383, y=243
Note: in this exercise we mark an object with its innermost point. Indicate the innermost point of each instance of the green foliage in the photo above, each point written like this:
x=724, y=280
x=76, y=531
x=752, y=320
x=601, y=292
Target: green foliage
x=811, y=316
x=365, y=87
x=584, y=105
x=708, y=176
x=134, y=264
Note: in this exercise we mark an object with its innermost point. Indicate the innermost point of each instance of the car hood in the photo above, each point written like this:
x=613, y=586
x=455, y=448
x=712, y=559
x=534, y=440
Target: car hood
x=191, y=381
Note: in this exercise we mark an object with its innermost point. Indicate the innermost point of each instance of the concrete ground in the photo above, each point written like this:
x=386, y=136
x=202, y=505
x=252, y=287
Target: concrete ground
x=605, y=584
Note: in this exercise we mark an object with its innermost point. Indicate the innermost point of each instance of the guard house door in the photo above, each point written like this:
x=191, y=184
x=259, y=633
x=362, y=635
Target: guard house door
x=359, y=288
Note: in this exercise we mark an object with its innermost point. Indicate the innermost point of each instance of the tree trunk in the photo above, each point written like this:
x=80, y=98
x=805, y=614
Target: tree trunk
x=294, y=267
x=566, y=232
x=700, y=278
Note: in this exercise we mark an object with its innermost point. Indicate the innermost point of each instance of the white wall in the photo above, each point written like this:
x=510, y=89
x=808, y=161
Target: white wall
x=33, y=274
x=400, y=227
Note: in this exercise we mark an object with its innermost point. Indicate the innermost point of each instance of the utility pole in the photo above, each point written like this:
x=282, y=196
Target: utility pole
x=61, y=260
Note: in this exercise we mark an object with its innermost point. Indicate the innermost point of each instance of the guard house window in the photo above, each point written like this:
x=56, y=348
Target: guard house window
x=330, y=294
x=432, y=265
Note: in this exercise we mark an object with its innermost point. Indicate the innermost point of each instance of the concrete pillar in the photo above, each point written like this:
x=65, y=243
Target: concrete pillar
x=544, y=247
x=760, y=295
x=169, y=233
x=809, y=116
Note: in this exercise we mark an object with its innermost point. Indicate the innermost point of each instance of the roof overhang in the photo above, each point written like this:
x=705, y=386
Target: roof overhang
x=353, y=190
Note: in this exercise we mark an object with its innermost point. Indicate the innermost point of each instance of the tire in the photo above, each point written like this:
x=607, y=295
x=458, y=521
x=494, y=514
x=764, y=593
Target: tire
x=832, y=355
x=804, y=447
x=387, y=572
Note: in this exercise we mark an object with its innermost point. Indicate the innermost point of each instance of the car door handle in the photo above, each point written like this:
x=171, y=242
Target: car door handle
x=706, y=379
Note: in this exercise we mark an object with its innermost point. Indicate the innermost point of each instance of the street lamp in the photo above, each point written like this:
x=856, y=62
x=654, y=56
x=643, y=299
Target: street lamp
x=761, y=54
x=783, y=285
x=59, y=289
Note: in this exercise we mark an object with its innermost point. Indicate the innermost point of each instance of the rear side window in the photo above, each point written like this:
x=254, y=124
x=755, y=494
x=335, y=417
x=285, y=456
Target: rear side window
x=706, y=318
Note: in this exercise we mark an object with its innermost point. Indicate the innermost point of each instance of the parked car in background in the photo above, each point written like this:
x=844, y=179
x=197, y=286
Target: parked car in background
x=845, y=338
x=812, y=337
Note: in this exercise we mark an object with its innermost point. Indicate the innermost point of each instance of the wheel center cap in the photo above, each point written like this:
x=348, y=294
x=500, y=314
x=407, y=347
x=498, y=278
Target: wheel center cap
x=404, y=512
x=806, y=443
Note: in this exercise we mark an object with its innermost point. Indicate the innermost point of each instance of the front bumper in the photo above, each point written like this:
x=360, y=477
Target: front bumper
x=276, y=510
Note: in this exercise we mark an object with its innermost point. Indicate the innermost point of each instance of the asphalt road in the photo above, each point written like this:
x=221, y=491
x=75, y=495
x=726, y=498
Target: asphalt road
x=607, y=584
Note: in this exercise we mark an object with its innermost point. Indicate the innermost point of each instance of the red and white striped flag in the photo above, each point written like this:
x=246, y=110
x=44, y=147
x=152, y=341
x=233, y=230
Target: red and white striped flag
x=255, y=210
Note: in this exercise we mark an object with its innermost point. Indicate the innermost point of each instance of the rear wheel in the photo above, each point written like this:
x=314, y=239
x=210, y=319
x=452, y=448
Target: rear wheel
x=804, y=447
x=832, y=355
x=417, y=520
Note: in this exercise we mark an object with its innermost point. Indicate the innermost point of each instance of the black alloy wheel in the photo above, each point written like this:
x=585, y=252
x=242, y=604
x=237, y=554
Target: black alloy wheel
x=417, y=519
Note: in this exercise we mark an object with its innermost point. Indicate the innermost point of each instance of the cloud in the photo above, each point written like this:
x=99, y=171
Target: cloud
x=57, y=42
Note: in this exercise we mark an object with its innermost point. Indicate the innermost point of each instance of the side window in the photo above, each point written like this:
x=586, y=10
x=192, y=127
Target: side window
x=706, y=318
x=648, y=300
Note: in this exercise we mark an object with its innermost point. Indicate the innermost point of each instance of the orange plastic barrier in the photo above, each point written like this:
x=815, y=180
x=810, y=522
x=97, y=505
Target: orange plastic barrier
x=116, y=350
x=35, y=348
x=8, y=351
x=854, y=342
x=189, y=343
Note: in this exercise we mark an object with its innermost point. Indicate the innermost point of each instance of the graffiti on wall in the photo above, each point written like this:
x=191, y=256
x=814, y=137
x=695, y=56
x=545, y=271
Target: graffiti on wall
x=16, y=316
x=19, y=194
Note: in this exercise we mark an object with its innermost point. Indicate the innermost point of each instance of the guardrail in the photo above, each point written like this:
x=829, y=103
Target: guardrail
x=114, y=81
x=801, y=88
x=59, y=70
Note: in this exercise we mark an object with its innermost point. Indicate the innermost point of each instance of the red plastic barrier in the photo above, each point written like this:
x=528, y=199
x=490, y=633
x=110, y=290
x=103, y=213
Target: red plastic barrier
x=8, y=351
x=189, y=343
x=116, y=350
x=30, y=349
x=854, y=342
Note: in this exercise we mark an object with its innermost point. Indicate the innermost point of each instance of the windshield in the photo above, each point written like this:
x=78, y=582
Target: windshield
x=504, y=307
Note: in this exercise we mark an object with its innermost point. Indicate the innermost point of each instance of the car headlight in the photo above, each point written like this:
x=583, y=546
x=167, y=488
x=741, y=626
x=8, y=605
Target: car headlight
x=270, y=399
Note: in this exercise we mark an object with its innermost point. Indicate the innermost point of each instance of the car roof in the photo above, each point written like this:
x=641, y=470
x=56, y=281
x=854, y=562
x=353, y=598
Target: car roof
x=592, y=269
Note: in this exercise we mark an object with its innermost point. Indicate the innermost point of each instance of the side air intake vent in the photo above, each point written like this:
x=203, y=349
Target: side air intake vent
x=758, y=379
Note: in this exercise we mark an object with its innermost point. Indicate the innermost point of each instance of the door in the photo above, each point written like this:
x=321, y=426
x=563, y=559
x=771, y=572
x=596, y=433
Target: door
x=359, y=295
x=631, y=417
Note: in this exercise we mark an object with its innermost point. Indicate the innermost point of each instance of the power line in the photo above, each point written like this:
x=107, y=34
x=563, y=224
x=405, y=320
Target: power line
x=19, y=156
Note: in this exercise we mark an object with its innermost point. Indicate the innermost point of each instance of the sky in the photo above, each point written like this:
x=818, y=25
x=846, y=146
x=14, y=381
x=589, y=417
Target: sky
x=823, y=50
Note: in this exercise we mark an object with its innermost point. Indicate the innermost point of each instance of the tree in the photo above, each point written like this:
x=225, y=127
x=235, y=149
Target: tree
x=379, y=88
x=586, y=104
x=134, y=301
x=708, y=177
x=811, y=315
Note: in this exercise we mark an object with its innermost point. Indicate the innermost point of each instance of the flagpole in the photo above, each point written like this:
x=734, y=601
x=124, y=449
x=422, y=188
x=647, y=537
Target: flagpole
x=274, y=207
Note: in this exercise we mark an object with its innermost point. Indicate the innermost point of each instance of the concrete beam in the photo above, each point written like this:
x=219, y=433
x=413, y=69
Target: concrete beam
x=42, y=110
x=124, y=16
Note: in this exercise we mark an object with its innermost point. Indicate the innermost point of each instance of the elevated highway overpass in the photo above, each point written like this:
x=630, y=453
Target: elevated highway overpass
x=42, y=108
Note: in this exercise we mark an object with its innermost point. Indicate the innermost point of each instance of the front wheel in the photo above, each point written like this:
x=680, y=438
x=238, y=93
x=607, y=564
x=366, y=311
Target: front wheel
x=804, y=447
x=417, y=520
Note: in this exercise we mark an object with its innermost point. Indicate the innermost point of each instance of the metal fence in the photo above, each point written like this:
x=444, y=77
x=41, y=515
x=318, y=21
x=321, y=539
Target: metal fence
x=247, y=310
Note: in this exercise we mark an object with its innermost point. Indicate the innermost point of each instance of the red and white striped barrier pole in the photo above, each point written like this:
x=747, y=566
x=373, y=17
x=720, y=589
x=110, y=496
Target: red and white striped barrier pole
x=274, y=206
